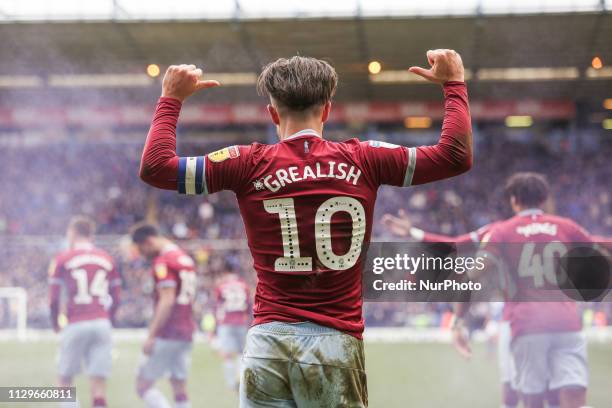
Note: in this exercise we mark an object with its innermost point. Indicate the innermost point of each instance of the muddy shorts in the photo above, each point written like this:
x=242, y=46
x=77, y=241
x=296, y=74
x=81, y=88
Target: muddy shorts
x=302, y=365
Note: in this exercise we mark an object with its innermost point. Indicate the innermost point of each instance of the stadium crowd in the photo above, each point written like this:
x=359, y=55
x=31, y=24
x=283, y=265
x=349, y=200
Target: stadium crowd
x=45, y=184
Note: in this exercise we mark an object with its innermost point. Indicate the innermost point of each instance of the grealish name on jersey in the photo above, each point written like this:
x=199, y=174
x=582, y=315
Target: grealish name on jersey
x=282, y=177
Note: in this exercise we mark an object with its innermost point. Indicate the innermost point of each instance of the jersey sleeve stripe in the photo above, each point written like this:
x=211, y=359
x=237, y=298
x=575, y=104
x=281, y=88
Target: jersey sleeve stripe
x=204, y=184
x=410, y=167
x=199, y=174
x=181, y=175
x=191, y=177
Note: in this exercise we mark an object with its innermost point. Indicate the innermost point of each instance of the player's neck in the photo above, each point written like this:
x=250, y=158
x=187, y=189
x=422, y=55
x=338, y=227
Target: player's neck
x=80, y=243
x=164, y=244
x=528, y=210
x=290, y=127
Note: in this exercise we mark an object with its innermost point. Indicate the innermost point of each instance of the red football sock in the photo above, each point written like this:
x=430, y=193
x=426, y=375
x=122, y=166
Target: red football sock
x=99, y=402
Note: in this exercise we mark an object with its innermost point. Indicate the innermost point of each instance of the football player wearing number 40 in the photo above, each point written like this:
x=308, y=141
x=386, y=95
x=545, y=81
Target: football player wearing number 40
x=548, y=349
x=91, y=286
x=167, y=350
x=307, y=205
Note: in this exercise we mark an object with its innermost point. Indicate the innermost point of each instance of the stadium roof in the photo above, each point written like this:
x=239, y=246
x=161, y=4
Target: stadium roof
x=63, y=60
x=256, y=9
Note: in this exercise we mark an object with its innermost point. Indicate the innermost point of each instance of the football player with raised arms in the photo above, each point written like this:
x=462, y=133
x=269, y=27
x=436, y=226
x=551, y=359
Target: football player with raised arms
x=548, y=347
x=307, y=206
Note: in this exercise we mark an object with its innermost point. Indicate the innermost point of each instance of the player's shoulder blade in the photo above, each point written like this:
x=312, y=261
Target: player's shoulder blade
x=569, y=227
x=102, y=252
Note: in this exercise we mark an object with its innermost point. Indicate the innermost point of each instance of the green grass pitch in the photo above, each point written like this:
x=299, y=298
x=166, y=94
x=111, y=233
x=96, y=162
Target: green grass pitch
x=399, y=375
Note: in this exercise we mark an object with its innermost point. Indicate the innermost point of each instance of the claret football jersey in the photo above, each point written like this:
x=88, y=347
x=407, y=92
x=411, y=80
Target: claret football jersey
x=307, y=204
x=87, y=275
x=525, y=244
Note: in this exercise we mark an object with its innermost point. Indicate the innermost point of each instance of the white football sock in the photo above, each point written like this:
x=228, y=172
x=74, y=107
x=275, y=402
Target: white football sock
x=153, y=398
x=71, y=404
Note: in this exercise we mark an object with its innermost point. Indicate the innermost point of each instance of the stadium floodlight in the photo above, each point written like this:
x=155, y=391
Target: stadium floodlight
x=527, y=74
x=597, y=62
x=17, y=299
x=153, y=70
x=374, y=67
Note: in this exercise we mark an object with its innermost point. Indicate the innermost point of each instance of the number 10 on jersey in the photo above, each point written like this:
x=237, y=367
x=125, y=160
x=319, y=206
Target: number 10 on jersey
x=292, y=261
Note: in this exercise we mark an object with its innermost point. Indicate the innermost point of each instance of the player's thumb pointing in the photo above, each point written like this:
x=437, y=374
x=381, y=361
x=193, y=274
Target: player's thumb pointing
x=207, y=84
x=425, y=73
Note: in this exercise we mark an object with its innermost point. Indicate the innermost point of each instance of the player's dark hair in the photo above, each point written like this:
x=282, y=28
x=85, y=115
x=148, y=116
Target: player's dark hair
x=83, y=226
x=528, y=189
x=141, y=232
x=298, y=83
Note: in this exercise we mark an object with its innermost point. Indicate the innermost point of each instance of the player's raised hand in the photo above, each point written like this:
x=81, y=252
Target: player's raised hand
x=182, y=81
x=399, y=225
x=446, y=65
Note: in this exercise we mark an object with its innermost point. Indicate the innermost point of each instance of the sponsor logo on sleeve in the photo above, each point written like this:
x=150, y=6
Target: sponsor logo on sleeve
x=221, y=155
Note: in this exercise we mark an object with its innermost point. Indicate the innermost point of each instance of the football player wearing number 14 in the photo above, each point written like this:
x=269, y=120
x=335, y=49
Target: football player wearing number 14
x=91, y=287
x=167, y=349
x=307, y=206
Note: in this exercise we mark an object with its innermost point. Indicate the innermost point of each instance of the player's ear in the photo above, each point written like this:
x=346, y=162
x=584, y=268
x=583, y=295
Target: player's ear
x=549, y=206
x=326, y=111
x=273, y=114
x=513, y=203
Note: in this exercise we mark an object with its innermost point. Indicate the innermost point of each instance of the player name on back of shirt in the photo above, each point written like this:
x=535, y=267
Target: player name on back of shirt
x=293, y=174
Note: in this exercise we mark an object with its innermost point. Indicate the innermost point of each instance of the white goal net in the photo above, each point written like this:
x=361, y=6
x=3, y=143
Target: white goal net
x=13, y=312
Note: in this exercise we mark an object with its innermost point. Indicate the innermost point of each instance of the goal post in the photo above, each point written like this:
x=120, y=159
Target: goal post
x=16, y=300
